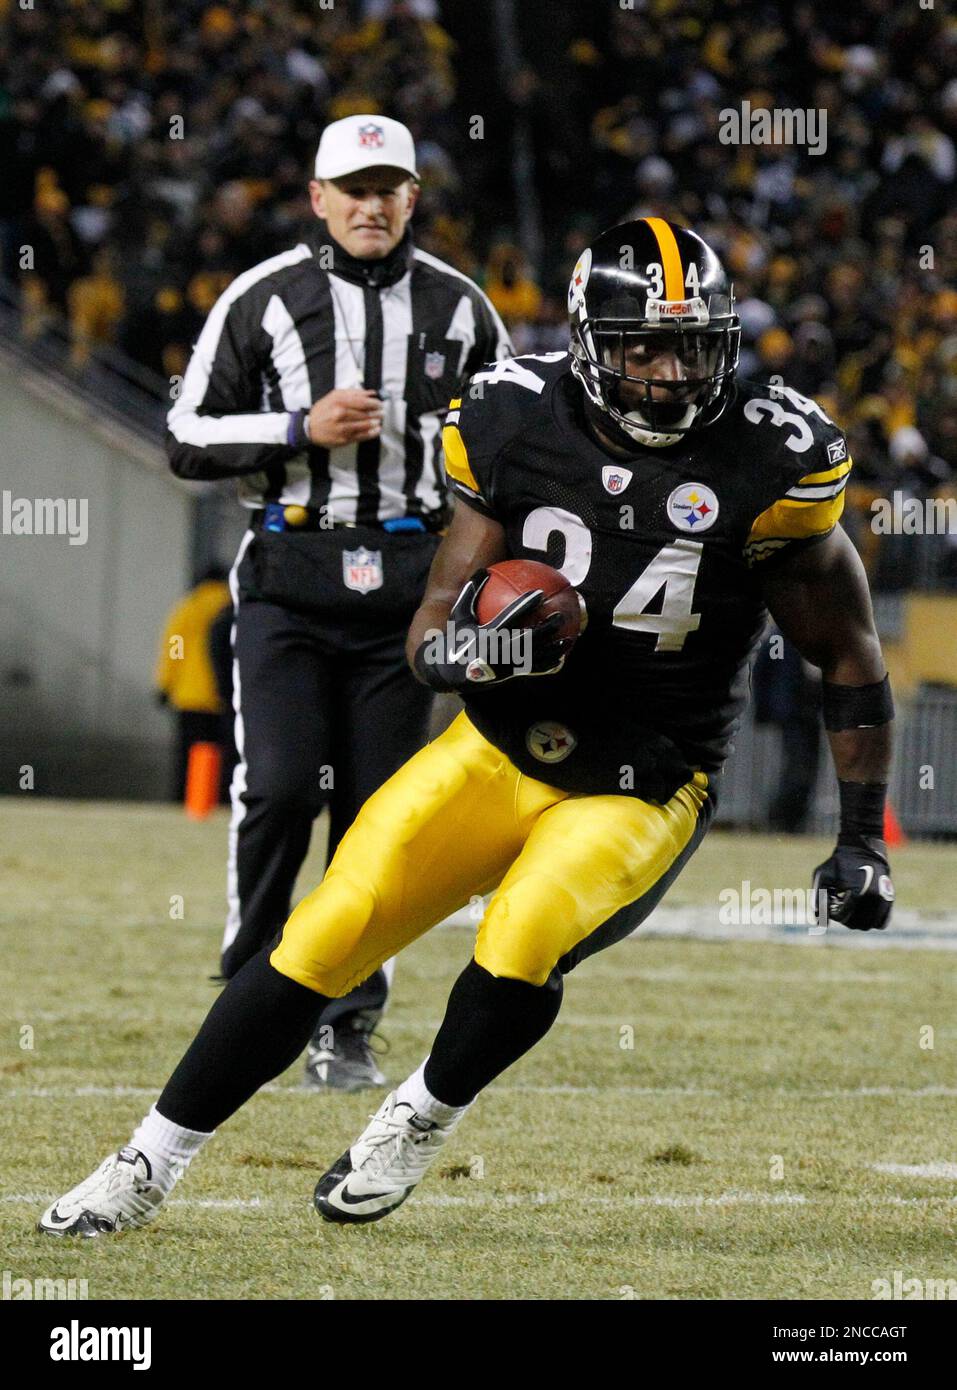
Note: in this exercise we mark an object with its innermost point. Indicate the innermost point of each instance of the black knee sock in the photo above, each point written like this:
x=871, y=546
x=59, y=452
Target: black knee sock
x=489, y=1023
x=255, y=1030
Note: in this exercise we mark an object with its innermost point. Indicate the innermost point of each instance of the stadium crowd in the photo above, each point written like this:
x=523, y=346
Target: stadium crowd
x=155, y=151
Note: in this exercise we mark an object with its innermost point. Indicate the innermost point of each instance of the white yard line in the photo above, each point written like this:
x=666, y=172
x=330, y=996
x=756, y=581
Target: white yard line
x=917, y=1170
x=218, y=1203
x=542, y=1199
x=547, y=1199
x=699, y=921
x=734, y=1093
x=851, y=1093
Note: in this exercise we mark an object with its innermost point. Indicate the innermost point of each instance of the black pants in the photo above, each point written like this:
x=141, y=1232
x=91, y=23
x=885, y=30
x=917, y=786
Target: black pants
x=326, y=711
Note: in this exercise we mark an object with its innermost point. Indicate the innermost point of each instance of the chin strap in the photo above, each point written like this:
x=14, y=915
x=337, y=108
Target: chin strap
x=629, y=432
x=643, y=435
x=635, y=426
x=627, y=438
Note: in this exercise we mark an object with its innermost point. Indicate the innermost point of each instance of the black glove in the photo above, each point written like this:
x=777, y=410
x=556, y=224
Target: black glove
x=857, y=880
x=473, y=653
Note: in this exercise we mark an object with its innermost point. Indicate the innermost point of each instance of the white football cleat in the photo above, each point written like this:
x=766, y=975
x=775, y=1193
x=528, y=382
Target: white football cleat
x=119, y=1196
x=386, y=1162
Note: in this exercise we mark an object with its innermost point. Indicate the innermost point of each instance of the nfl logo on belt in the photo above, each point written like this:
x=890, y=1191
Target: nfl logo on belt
x=434, y=365
x=371, y=137
x=615, y=479
x=362, y=569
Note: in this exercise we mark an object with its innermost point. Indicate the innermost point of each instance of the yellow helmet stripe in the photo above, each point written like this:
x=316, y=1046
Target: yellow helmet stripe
x=670, y=257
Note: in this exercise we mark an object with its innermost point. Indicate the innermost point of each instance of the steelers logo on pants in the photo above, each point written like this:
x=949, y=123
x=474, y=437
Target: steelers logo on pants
x=550, y=742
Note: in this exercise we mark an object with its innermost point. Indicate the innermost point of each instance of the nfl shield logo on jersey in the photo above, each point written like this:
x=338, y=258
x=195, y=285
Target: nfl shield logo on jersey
x=434, y=365
x=692, y=507
x=549, y=741
x=362, y=569
x=615, y=479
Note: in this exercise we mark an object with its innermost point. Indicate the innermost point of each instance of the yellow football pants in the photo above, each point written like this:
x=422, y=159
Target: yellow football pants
x=459, y=819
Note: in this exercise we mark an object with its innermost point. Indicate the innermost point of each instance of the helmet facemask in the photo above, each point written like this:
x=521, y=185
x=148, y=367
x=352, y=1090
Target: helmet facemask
x=659, y=380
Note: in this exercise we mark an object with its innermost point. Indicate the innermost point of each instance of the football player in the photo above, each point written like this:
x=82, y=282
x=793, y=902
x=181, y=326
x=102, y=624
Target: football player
x=683, y=504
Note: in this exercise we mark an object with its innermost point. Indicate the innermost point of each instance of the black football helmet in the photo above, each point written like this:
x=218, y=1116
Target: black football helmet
x=655, y=336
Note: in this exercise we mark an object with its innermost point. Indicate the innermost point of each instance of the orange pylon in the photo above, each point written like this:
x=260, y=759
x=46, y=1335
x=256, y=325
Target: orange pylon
x=202, y=779
x=894, y=836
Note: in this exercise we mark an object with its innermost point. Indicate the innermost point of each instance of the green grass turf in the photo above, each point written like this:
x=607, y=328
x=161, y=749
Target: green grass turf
x=726, y=1155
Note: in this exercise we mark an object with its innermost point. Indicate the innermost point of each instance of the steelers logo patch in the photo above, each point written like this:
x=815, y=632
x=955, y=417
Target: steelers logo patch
x=576, y=285
x=550, y=742
x=692, y=507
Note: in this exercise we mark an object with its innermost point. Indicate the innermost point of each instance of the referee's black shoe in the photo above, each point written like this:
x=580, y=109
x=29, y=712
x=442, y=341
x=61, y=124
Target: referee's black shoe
x=340, y=1058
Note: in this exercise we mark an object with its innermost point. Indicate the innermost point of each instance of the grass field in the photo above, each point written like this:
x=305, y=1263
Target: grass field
x=730, y=1153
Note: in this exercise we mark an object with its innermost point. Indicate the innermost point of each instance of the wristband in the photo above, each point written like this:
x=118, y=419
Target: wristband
x=297, y=434
x=429, y=672
x=862, y=809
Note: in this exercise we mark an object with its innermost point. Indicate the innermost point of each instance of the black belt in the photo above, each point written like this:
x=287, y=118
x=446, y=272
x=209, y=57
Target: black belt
x=279, y=516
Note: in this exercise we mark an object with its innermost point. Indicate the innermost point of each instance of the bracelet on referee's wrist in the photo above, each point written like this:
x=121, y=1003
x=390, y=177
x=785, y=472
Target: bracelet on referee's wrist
x=297, y=430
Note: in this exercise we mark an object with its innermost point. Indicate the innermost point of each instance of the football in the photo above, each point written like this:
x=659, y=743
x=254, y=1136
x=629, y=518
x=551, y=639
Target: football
x=509, y=579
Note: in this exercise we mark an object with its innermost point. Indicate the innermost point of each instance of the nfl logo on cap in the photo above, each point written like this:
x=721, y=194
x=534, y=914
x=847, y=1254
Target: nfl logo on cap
x=371, y=136
x=364, y=142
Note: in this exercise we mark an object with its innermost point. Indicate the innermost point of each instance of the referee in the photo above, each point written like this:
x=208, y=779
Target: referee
x=320, y=380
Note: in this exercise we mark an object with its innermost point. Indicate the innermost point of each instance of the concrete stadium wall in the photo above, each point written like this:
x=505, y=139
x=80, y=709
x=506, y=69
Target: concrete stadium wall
x=80, y=623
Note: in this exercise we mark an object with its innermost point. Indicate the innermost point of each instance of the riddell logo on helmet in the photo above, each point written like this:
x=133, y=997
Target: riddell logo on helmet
x=694, y=309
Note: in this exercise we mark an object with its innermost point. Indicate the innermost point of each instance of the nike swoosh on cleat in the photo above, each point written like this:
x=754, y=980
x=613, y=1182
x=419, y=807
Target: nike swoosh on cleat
x=55, y=1216
x=349, y=1200
x=349, y=1212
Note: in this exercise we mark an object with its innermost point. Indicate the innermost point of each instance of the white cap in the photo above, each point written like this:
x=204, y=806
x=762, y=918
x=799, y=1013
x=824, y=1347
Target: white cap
x=364, y=142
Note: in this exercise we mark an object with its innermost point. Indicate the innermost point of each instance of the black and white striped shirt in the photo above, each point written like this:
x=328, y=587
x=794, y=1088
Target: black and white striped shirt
x=290, y=330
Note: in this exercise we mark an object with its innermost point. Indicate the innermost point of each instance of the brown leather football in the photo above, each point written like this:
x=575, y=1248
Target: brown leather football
x=509, y=579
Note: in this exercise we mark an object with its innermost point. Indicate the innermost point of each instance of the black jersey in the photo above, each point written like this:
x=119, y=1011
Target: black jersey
x=664, y=548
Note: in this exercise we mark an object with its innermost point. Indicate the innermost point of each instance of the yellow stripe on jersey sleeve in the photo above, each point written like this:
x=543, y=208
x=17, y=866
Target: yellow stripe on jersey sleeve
x=827, y=475
x=796, y=517
x=457, y=460
x=818, y=487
